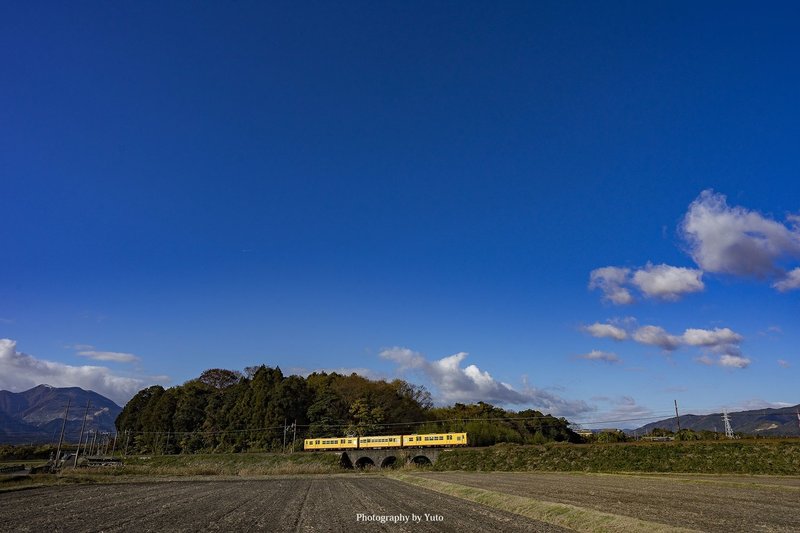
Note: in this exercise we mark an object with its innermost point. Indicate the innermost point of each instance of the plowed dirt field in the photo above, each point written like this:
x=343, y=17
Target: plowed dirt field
x=274, y=504
x=704, y=502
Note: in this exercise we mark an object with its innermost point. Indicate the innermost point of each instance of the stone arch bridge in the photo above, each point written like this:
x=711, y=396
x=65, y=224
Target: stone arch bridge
x=388, y=458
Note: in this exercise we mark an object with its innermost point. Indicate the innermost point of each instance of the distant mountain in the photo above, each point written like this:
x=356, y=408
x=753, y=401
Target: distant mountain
x=770, y=422
x=36, y=415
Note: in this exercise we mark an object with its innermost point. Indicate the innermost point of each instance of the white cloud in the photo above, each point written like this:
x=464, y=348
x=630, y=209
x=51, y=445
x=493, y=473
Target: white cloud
x=737, y=241
x=656, y=336
x=20, y=371
x=734, y=361
x=599, y=355
x=611, y=280
x=789, y=282
x=724, y=360
x=609, y=331
x=783, y=363
x=667, y=282
x=719, y=340
x=709, y=337
x=663, y=282
x=454, y=383
x=118, y=357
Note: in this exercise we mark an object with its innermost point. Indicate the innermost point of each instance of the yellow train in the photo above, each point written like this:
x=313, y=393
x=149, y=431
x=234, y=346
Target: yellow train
x=427, y=440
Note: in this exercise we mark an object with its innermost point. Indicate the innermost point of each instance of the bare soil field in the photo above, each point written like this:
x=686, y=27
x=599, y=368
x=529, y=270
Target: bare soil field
x=275, y=504
x=705, y=503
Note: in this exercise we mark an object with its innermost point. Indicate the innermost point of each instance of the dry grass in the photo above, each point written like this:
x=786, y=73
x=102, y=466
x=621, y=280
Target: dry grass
x=724, y=457
x=564, y=515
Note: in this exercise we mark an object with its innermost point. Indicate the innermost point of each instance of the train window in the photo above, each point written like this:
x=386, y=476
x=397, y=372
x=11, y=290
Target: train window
x=317, y=442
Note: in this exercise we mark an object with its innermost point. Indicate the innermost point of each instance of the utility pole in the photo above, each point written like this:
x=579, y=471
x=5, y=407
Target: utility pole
x=284, y=436
x=127, y=440
x=294, y=431
x=94, y=439
x=86, y=443
x=63, y=426
x=83, y=426
x=114, y=448
x=677, y=416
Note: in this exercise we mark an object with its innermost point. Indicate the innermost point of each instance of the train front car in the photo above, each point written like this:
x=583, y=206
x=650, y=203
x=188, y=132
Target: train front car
x=387, y=441
x=329, y=443
x=434, y=440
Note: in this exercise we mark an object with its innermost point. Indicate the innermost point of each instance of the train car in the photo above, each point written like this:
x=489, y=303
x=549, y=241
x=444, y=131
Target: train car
x=386, y=441
x=344, y=443
x=432, y=440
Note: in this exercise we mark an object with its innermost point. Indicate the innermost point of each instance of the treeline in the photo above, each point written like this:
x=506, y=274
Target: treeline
x=260, y=409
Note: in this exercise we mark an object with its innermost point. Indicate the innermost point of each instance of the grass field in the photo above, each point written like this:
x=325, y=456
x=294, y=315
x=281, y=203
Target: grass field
x=773, y=457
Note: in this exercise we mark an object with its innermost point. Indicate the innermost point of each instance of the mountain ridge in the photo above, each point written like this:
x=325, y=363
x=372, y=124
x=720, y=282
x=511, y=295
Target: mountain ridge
x=773, y=422
x=35, y=416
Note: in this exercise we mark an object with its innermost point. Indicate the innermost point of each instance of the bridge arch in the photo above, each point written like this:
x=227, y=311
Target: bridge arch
x=389, y=462
x=421, y=460
x=364, y=462
x=345, y=462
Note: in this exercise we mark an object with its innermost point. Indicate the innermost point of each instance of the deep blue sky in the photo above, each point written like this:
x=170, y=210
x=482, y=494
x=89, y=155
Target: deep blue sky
x=308, y=185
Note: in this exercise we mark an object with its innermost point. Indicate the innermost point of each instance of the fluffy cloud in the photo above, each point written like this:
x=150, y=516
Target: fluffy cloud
x=790, y=282
x=664, y=282
x=723, y=342
x=667, y=282
x=711, y=337
x=611, y=280
x=608, y=331
x=719, y=340
x=733, y=361
x=598, y=355
x=656, y=336
x=117, y=357
x=737, y=241
x=725, y=360
x=783, y=363
x=455, y=383
x=20, y=371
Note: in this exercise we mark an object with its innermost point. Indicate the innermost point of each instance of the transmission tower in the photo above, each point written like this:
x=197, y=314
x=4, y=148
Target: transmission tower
x=727, y=420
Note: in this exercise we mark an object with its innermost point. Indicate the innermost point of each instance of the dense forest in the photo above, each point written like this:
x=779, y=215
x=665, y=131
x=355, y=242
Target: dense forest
x=261, y=409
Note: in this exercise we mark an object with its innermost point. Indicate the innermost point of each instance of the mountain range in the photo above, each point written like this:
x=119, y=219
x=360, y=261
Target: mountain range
x=769, y=422
x=35, y=416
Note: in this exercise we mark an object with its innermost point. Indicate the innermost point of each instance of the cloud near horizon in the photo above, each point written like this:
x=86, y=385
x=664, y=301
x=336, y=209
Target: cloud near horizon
x=20, y=371
x=454, y=383
x=724, y=343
